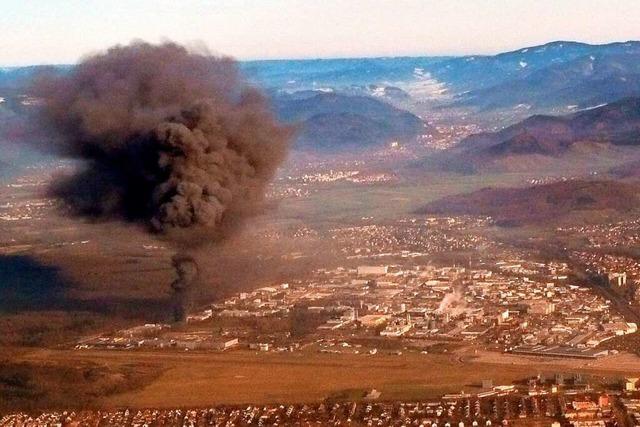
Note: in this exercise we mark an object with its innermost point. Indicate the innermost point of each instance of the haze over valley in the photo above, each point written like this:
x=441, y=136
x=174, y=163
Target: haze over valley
x=354, y=241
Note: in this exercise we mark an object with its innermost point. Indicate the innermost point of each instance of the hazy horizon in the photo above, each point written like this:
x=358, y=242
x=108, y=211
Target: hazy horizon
x=62, y=32
x=329, y=58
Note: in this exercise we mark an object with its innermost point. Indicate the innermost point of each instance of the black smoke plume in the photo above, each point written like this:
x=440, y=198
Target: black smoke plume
x=187, y=271
x=171, y=138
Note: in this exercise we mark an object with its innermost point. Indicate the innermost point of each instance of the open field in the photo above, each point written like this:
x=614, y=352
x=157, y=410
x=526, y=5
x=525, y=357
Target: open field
x=199, y=379
x=344, y=202
x=620, y=363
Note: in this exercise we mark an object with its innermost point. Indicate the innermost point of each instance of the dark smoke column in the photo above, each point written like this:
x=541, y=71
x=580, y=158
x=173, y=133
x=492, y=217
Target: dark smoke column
x=172, y=139
x=187, y=270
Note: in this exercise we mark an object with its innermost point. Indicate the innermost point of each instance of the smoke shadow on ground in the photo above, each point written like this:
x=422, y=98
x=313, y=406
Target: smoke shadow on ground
x=26, y=284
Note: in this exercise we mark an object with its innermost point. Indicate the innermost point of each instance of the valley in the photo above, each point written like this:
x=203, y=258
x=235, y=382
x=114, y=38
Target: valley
x=429, y=235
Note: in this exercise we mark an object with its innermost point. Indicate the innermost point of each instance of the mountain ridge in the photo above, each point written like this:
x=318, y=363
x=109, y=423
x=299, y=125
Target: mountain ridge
x=333, y=121
x=540, y=203
x=615, y=124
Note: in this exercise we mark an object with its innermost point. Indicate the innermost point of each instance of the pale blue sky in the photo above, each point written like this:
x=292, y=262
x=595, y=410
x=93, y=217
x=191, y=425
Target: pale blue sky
x=61, y=31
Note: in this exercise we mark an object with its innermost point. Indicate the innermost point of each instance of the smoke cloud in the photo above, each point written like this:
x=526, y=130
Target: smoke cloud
x=453, y=302
x=171, y=138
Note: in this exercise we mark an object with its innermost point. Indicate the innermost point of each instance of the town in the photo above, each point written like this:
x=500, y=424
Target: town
x=540, y=401
x=506, y=305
